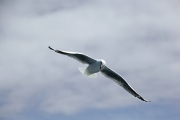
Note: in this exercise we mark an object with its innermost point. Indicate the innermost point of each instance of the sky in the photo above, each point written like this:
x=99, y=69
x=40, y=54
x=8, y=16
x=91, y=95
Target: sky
x=139, y=39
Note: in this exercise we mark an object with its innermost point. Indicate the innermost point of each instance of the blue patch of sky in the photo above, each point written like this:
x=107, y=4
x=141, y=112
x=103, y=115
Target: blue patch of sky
x=148, y=111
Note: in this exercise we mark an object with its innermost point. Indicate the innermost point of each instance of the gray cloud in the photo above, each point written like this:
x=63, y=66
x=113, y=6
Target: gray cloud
x=139, y=40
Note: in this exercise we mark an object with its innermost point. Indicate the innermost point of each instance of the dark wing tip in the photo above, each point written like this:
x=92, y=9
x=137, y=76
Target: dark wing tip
x=50, y=48
x=61, y=52
x=143, y=99
x=58, y=51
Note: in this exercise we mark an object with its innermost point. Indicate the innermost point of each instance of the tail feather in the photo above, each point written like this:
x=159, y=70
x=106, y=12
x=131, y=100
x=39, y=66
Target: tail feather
x=83, y=71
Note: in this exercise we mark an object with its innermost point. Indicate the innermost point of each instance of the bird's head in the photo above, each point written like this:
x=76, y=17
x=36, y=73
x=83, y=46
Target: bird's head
x=102, y=64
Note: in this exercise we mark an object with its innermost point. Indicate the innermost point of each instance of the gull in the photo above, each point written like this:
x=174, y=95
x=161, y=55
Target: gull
x=95, y=66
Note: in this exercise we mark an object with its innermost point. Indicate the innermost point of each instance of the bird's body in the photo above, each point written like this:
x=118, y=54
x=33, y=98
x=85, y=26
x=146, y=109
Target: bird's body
x=95, y=66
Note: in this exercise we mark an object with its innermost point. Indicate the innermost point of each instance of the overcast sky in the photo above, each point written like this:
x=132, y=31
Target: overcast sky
x=138, y=39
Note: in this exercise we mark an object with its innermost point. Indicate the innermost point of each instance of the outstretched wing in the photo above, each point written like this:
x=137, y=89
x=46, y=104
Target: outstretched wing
x=78, y=56
x=119, y=80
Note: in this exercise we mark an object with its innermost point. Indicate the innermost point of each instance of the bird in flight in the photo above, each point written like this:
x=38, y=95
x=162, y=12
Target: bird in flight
x=95, y=66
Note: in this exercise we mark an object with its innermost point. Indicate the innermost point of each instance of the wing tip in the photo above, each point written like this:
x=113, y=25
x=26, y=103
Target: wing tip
x=58, y=51
x=50, y=48
x=143, y=99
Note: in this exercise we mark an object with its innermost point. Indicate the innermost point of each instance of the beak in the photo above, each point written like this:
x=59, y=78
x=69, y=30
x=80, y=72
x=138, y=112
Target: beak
x=100, y=66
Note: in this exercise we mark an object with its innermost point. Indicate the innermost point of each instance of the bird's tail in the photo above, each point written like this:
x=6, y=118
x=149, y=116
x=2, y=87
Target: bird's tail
x=83, y=71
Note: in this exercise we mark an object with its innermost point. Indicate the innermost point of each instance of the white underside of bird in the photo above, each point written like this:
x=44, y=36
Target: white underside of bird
x=84, y=70
x=95, y=66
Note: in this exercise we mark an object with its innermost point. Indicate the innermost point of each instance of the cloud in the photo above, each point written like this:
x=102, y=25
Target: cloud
x=139, y=40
